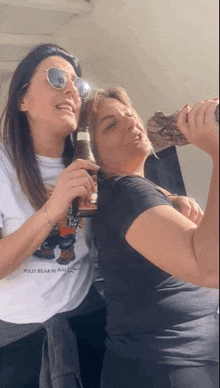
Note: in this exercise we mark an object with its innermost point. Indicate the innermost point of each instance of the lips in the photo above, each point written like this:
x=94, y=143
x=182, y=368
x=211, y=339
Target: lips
x=66, y=106
x=135, y=138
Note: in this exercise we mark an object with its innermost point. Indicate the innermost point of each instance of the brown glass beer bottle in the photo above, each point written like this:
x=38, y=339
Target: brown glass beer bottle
x=83, y=207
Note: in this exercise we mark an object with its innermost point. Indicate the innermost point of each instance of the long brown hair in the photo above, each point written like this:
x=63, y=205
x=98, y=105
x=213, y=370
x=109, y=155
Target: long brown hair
x=16, y=135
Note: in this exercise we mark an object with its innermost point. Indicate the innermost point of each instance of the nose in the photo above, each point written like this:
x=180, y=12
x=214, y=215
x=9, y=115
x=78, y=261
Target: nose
x=130, y=122
x=70, y=88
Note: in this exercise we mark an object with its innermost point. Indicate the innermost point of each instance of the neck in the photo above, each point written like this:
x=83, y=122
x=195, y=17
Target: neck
x=134, y=168
x=51, y=150
x=49, y=146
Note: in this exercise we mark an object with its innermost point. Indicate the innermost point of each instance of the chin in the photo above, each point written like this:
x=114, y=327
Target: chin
x=144, y=150
x=147, y=148
x=69, y=126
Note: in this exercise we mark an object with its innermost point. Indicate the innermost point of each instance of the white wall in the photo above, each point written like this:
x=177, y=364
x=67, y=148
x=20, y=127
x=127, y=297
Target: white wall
x=164, y=53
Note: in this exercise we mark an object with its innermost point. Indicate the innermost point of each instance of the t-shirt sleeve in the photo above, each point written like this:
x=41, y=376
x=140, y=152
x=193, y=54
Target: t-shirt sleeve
x=130, y=196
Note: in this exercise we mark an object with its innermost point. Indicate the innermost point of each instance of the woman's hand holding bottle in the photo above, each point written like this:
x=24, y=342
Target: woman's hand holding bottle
x=74, y=181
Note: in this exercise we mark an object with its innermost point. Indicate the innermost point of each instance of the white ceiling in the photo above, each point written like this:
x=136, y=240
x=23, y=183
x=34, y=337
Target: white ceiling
x=163, y=52
x=25, y=23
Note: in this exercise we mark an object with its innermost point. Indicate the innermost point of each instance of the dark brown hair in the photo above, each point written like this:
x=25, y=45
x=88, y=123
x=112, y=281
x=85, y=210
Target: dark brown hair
x=16, y=135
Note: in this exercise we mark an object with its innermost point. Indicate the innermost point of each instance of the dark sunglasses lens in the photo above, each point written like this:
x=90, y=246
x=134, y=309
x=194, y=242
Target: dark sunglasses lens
x=56, y=78
x=83, y=87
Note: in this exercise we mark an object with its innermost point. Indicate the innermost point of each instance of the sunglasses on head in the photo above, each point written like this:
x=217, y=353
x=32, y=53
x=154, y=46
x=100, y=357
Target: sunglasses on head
x=57, y=78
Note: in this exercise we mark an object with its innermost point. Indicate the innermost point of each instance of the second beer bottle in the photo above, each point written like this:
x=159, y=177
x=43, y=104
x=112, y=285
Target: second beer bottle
x=83, y=207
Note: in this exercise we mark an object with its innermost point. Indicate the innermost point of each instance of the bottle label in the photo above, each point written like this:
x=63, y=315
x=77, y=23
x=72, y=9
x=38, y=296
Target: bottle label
x=83, y=136
x=88, y=208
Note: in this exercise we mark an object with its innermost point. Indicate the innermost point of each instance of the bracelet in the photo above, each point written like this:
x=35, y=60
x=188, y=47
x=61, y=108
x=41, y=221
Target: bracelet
x=47, y=217
x=172, y=195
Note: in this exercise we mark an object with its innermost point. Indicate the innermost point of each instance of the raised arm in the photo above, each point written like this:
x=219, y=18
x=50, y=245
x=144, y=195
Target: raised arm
x=185, y=205
x=17, y=247
x=167, y=238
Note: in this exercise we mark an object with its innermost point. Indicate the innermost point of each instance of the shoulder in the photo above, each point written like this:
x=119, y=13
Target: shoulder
x=122, y=199
x=130, y=188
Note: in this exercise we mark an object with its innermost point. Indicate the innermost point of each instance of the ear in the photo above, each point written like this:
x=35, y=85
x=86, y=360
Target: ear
x=22, y=106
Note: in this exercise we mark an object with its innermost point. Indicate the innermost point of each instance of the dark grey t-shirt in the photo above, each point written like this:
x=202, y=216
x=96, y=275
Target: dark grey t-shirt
x=151, y=314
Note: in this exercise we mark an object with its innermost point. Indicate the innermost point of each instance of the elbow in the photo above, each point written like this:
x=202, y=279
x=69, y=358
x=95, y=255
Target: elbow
x=206, y=255
x=211, y=282
x=209, y=279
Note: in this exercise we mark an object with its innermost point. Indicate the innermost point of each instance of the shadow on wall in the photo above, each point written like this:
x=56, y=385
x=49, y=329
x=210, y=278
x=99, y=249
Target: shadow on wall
x=165, y=171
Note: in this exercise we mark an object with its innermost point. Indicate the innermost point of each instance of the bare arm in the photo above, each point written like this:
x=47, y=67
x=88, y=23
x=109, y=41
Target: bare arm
x=167, y=238
x=18, y=246
x=185, y=205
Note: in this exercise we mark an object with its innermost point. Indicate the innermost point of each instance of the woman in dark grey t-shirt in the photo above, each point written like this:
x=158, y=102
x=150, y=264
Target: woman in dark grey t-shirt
x=160, y=268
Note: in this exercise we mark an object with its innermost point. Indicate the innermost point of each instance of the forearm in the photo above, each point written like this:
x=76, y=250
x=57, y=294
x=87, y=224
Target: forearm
x=18, y=246
x=74, y=181
x=206, y=235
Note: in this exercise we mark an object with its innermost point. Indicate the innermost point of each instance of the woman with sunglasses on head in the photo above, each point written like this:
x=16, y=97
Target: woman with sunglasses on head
x=160, y=269
x=48, y=300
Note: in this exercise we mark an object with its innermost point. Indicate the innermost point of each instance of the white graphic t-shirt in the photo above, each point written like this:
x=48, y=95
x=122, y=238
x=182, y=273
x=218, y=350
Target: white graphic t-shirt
x=55, y=278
